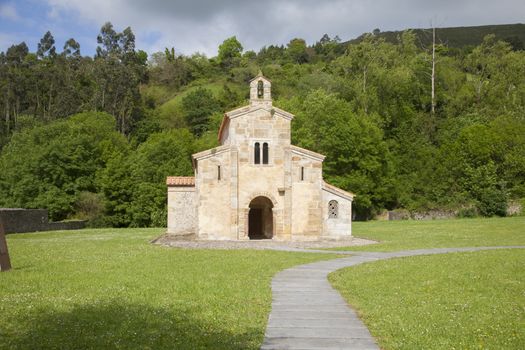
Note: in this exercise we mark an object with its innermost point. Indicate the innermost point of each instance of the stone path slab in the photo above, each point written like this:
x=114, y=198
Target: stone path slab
x=307, y=313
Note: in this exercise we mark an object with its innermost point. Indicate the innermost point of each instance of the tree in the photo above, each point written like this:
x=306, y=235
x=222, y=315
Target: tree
x=46, y=46
x=109, y=42
x=364, y=64
x=357, y=157
x=327, y=48
x=14, y=79
x=71, y=48
x=229, y=51
x=169, y=69
x=49, y=166
x=163, y=154
x=198, y=107
x=297, y=50
x=118, y=72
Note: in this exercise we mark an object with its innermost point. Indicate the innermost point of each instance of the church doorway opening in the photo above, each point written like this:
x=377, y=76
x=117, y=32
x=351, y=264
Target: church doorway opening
x=260, y=218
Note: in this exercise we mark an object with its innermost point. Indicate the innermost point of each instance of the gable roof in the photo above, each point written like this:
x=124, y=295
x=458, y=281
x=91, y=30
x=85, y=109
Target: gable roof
x=235, y=113
x=337, y=191
x=260, y=75
x=307, y=153
x=210, y=152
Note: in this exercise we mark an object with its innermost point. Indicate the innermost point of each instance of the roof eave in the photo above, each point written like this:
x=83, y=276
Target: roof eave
x=307, y=152
x=337, y=191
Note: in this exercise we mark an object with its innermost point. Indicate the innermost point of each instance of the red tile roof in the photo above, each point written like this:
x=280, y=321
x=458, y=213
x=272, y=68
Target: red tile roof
x=180, y=181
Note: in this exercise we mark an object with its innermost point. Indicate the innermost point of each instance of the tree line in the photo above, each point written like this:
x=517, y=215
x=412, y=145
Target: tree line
x=404, y=126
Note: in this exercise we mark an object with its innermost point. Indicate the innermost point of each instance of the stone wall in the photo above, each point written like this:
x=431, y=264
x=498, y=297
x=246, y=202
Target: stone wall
x=213, y=195
x=181, y=210
x=17, y=220
x=340, y=227
x=515, y=207
x=307, y=177
x=271, y=180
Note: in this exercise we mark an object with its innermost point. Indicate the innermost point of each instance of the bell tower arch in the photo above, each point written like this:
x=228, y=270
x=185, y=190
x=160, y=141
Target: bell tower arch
x=260, y=91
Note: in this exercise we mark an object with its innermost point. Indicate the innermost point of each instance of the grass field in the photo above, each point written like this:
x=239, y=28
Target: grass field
x=402, y=235
x=97, y=289
x=110, y=288
x=451, y=301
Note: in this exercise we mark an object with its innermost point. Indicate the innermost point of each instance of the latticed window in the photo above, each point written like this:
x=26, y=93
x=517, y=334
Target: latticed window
x=333, y=209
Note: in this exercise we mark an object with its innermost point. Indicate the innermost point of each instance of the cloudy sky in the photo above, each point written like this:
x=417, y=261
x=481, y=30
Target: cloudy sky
x=201, y=25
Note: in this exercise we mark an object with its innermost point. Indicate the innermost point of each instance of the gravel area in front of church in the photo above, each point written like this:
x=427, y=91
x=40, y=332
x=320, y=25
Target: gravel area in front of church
x=174, y=241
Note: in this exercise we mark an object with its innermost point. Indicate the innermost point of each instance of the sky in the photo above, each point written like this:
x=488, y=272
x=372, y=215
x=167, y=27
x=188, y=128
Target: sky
x=201, y=25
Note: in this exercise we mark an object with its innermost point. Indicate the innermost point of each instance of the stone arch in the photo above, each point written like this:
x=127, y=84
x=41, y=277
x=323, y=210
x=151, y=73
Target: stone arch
x=270, y=196
x=260, y=89
x=260, y=216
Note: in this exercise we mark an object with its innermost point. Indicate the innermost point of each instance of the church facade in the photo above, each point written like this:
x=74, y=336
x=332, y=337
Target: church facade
x=256, y=184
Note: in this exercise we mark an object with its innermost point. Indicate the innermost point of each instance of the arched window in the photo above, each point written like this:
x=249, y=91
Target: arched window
x=333, y=209
x=260, y=89
x=257, y=153
x=265, y=153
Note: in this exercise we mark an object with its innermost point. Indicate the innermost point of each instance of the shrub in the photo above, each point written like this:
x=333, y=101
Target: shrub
x=492, y=201
x=90, y=206
x=469, y=212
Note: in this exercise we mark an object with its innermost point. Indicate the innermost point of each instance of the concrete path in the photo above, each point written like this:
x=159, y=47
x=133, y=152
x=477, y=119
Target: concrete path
x=307, y=313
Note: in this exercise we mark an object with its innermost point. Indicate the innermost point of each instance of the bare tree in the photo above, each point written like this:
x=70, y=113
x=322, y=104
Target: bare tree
x=433, y=63
x=433, y=74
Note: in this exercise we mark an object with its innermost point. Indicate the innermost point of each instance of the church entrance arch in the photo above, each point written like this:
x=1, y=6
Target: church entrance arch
x=260, y=218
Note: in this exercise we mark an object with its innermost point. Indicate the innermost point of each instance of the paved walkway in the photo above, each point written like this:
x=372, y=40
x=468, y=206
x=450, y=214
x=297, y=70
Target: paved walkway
x=307, y=313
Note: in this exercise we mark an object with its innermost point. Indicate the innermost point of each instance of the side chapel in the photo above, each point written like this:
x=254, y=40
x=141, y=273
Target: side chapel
x=256, y=184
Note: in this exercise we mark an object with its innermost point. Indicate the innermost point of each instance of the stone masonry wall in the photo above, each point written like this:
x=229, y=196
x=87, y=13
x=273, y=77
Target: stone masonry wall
x=270, y=180
x=307, y=221
x=17, y=220
x=182, y=218
x=214, y=196
x=340, y=227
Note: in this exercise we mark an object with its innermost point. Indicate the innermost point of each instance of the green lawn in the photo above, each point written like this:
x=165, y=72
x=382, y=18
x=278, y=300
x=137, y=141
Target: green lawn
x=451, y=301
x=95, y=289
x=402, y=235
x=110, y=288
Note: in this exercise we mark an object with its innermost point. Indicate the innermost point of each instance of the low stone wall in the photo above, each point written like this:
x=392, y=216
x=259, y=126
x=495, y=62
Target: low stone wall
x=18, y=220
x=404, y=214
x=66, y=225
x=515, y=208
x=434, y=215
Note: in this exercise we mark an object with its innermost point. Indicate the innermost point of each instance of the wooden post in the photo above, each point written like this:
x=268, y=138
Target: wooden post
x=5, y=262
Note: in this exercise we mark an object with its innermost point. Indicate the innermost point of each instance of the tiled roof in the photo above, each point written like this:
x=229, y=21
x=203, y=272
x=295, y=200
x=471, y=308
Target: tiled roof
x=180, y=181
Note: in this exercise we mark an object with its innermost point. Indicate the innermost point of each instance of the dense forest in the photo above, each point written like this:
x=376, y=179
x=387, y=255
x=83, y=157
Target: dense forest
x=404, y=125
x=459, y=37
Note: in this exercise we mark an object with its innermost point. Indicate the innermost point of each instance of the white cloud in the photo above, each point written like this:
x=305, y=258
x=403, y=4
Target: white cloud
x=8, y=11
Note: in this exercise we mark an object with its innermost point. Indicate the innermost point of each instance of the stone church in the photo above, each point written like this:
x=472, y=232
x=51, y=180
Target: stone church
x=256, y=184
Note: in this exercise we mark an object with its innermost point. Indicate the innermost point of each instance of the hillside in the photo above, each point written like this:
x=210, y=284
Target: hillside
x=95, y=137
x=459, y=37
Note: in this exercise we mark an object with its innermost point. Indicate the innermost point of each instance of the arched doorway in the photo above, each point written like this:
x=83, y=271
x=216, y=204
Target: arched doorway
x=260, y=218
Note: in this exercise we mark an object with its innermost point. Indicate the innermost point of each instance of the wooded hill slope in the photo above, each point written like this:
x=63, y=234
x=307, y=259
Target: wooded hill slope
x=459, y=37
x=95, y=137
